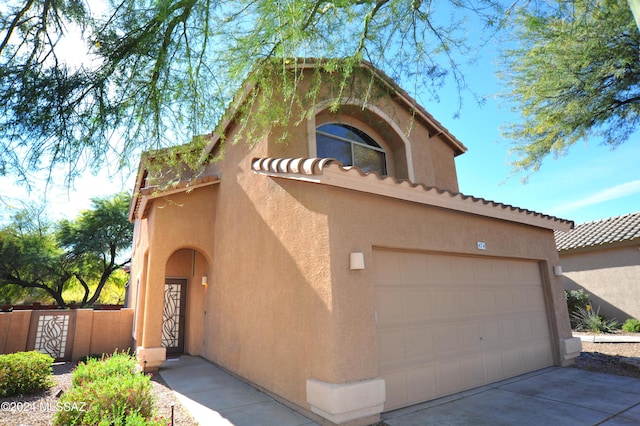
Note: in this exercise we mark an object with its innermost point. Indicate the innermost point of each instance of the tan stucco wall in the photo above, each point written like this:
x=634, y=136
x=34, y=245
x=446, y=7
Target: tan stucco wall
x=285, y=305
x=611, y=277
x=444, y=166
x=14, y=331
x=427, y=159
x=108, y=331
x=282, y=305
x=269, y=308
x=359, y=222
x=175, y=222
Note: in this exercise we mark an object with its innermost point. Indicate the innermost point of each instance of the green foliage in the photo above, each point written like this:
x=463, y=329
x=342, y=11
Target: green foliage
x=29, y=257
x=41, y=258
x=631, y=325
x=112, y=293
x=573, y=74
x=588, y=320
x=107, y=392
x=94, y=240
x=576, y=299
x=160, y=72
x=24, y=373
x=86, y=358
x=136, y=419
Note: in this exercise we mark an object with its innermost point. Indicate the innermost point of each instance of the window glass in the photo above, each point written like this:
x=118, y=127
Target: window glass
x=351, y=147
x=329, y=147
x=369, y=160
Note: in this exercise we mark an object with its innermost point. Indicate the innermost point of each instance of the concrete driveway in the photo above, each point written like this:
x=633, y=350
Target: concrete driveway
x=549, y=397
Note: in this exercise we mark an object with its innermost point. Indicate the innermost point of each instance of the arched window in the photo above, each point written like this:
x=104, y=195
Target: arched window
x=350, y=146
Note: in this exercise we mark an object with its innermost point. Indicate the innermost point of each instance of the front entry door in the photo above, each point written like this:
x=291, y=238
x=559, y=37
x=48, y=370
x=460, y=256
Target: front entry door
x=173, y=315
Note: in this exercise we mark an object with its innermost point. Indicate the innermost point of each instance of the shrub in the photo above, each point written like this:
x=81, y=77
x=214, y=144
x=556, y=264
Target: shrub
x=84, y=359
x=631, y=325
x=23, y=373
x=103, y=367
x=137, y=420
x=108, y=391
x=588, y=320
x=576, y=299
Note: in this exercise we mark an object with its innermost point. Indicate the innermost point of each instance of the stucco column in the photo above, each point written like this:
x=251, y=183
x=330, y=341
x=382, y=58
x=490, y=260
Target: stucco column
x=140, y=274
x=150, y=353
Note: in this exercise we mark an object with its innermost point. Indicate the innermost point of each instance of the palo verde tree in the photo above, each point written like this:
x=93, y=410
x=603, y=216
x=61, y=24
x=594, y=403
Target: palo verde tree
x=153, y=74
x=573, y=74
x=159, y=73
x=39, y=258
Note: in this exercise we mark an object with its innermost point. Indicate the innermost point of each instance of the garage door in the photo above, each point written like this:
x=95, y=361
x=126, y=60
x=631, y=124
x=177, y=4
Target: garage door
x=450, y=323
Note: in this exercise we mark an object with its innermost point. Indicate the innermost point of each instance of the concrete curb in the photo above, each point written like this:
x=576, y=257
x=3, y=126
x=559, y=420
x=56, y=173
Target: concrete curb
x=608, y=338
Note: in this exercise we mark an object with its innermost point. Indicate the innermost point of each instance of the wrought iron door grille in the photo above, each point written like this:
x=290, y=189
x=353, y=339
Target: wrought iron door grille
x=51, y=334
x=171, y=315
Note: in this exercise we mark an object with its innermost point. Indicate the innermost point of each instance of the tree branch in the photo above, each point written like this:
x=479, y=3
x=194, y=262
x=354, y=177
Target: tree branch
x=86, y=289
x=367, y=22
x=14, y=24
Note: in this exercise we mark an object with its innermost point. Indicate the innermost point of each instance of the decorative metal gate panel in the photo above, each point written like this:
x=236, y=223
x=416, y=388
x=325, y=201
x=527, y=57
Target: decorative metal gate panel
x=173, y=315
x=51, y=332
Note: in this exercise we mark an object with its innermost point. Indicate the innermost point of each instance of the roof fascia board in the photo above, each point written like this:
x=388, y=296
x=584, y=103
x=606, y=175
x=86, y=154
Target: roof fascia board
x=215, y=137
x=147, y=195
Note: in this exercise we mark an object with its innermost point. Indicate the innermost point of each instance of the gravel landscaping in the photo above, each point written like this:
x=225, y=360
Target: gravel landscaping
x=39, y=409
x=610, y=358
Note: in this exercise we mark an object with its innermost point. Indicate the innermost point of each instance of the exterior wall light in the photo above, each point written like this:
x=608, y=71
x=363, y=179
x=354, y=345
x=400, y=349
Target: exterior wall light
x=356, y=261
x=205, y=280
x=557, y=270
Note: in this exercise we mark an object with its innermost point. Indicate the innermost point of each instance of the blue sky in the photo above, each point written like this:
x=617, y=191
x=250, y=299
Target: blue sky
x=592, y=182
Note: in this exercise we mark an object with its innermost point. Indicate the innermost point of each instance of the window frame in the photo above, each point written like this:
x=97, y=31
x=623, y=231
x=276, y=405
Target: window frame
x=351, y=142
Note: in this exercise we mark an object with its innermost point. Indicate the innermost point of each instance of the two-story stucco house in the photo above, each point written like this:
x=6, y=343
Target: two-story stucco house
x=343, y=271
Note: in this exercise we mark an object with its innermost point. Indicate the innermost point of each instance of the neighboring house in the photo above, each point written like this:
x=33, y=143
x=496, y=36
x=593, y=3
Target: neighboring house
x=352, y=287
x=603, y=258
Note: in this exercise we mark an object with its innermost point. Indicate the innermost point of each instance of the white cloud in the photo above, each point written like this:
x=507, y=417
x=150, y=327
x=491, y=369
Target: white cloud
x=615, y=192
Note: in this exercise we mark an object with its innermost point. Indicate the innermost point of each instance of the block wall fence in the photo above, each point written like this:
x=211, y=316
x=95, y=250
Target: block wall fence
x=67, y=335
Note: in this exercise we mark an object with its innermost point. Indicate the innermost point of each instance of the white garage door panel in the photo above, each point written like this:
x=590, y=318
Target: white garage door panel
x=449, y=323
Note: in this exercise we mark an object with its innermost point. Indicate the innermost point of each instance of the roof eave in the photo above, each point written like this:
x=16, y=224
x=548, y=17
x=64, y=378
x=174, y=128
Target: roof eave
x=458, y=147
x=146, y=195
x=410, y=103
x=602, y=246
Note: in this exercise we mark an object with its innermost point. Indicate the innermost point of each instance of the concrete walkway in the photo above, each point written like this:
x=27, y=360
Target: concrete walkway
x=215, y=397
x=552, y=396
